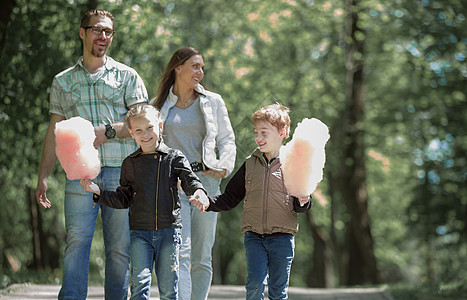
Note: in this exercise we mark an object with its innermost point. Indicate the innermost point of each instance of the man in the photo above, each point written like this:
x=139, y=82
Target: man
x=100, y=90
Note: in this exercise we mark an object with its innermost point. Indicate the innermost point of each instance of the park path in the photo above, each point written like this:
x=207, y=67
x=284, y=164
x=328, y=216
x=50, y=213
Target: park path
x=218, y=292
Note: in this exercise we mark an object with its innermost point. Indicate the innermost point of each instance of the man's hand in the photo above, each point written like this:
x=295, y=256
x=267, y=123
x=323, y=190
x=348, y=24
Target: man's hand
x=49, y=158
x=200, y=200
x=120, y=128
x=100, y=136
x=41, y=194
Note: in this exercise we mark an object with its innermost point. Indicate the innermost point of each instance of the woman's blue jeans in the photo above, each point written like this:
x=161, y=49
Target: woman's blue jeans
x=198, y=235
x=158, y=249
x=273, y=255
x=80, y=221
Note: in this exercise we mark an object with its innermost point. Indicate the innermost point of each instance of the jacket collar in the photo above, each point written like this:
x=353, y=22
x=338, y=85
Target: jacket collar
x=260, y=156
x=200, y=89
x=172, y=98
x=162, y=148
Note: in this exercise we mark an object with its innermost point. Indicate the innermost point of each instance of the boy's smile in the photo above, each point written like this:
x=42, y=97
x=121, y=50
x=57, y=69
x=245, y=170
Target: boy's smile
x=268, y=138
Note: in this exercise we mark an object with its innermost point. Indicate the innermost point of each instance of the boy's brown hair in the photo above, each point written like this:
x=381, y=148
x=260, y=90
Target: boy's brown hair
x=277, y=115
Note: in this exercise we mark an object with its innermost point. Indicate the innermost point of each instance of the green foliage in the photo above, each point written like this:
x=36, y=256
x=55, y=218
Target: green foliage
x=257, y=53
x=437, y=212
x=39, y=43
x=9, y=277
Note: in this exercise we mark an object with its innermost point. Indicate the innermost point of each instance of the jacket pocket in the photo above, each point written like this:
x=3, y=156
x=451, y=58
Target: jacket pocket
x=288, y=204
x=174, y=196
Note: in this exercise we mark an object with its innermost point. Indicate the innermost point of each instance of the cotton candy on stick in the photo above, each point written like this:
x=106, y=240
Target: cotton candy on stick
x=304, y=156
x=74, y=140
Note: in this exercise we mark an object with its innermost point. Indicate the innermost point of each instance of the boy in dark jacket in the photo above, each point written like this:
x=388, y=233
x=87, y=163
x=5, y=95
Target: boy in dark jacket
x=148, y=187
x=270, y=219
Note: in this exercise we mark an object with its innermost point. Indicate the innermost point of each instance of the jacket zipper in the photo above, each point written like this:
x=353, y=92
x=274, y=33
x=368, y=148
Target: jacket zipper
x=265, y=196
x=157, y=186
x=203, y=144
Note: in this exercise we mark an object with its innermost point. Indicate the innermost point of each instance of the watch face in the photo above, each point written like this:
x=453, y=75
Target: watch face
x=109, y=132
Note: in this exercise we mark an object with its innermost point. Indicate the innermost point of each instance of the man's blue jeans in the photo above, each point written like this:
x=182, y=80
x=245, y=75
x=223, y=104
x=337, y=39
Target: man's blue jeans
x=80, y=221
x=158, y=249
x=273, y=255
x=198, y=235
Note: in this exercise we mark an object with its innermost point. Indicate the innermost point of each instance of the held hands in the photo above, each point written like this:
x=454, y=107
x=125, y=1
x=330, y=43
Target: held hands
x=200, y=200
x=89, y=186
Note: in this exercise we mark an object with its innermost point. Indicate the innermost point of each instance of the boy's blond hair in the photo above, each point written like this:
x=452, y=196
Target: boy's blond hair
x=142, y=109
x=277, y=115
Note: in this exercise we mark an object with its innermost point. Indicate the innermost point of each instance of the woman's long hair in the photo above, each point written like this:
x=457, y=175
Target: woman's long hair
x=168, y=77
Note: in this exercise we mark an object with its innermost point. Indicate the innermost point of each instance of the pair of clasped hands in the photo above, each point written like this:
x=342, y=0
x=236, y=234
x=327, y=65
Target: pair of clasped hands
x=199, y=199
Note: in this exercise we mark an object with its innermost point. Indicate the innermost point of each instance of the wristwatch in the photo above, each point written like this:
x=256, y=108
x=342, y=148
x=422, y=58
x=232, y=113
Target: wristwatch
x=110, y=132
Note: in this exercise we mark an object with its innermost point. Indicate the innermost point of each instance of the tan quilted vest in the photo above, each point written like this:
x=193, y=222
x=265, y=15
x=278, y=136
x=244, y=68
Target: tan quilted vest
x=267, y=207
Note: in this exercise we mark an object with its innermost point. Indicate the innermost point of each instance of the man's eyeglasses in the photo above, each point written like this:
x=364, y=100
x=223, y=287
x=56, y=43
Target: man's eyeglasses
x=98, y=30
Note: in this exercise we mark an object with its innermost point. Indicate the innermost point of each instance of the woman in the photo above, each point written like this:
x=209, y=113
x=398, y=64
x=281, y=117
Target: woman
x=196, y=122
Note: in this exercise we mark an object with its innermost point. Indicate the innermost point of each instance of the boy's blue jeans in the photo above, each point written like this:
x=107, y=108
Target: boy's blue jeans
x=80, y=221
x=273, y=255
x=158, y=249
x=198, y=235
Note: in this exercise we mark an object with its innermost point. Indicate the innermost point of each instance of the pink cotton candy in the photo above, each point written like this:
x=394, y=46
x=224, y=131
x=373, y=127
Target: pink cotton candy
x=304, y=156
x=74, y=140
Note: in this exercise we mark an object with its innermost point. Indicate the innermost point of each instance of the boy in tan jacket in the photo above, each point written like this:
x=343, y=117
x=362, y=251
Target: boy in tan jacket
x=270, y=219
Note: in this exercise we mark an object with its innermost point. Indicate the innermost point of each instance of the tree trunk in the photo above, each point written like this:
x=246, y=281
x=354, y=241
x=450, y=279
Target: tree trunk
x=6, y=7
x=337, y=248
x=37, y=232
x=361, y=264
x=322, y=272
x=46, y=245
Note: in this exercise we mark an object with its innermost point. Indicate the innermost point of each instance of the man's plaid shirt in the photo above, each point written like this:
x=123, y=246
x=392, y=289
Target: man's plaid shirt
x=101, y=101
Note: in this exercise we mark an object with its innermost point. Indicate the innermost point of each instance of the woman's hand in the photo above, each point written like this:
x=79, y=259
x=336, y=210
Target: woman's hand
x=216, y=174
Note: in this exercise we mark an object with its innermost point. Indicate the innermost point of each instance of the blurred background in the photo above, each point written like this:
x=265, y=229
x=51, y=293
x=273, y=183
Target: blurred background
x=387, y=77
